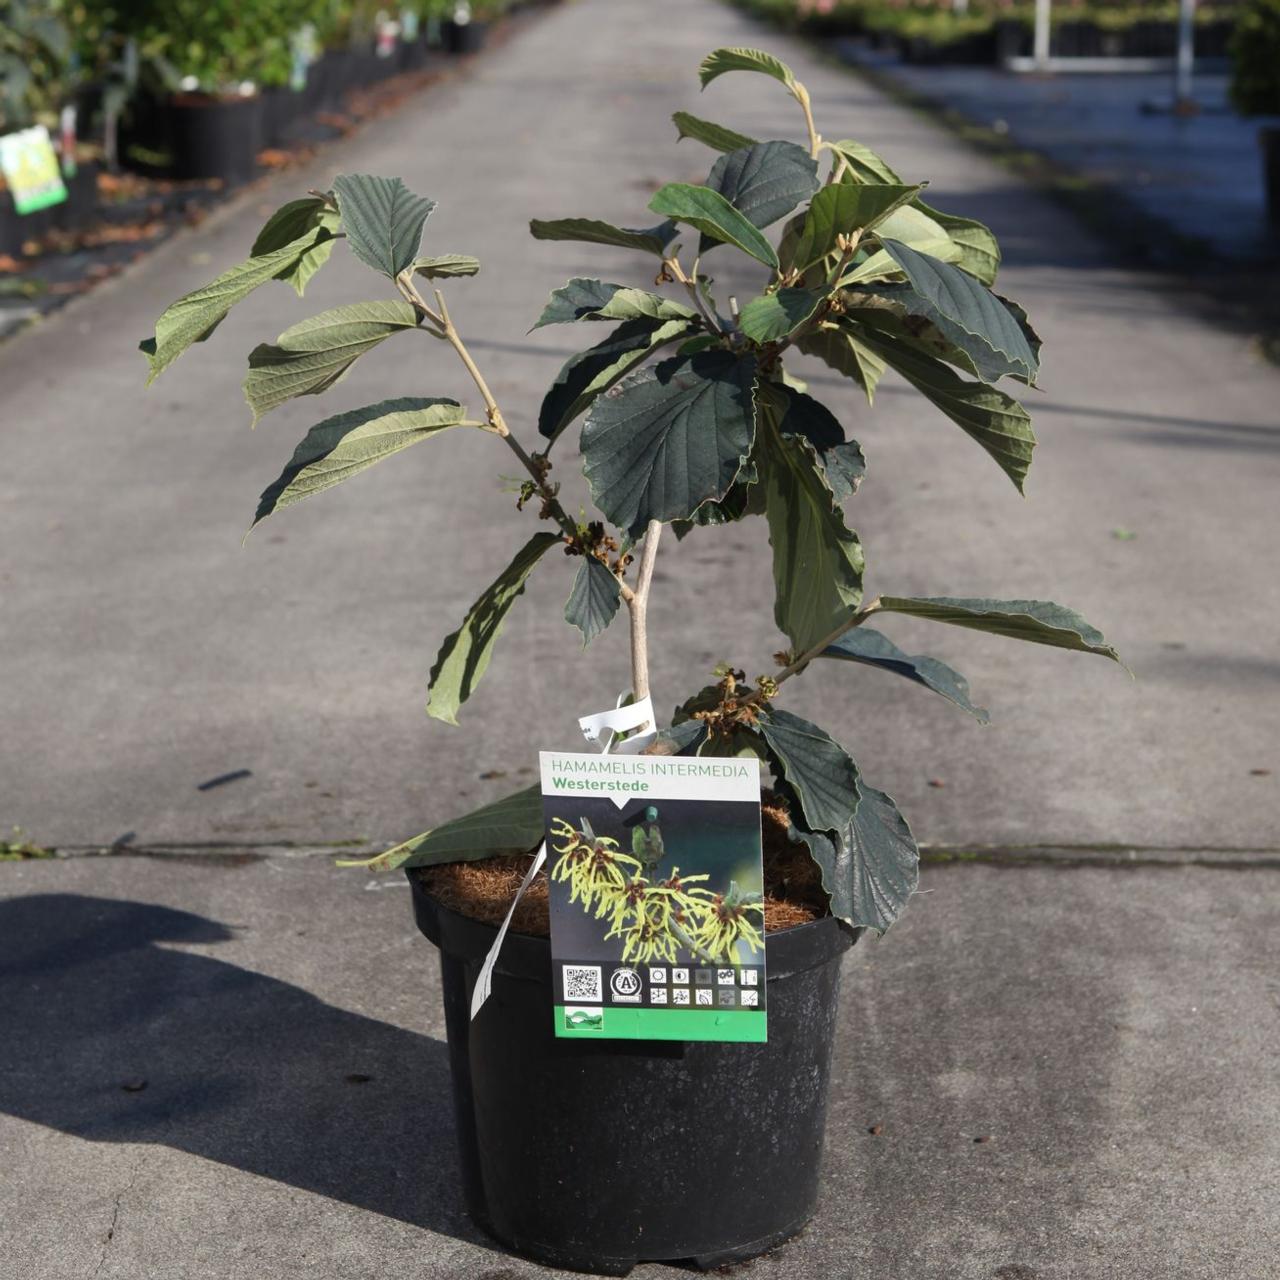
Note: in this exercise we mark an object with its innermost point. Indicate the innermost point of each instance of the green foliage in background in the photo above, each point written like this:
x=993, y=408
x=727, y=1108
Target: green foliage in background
x=690, y=418
x=1255, y=58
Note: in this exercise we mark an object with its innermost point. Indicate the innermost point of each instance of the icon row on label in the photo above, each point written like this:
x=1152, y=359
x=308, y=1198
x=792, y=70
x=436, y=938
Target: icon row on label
x=726, y=997
x=678, y=976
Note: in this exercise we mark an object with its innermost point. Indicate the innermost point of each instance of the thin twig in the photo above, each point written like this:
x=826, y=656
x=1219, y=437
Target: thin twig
x=639, y=606
x=673, y=265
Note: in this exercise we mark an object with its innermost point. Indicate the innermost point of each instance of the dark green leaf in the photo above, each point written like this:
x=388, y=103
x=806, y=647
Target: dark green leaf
x=594, y=599
x=714, y=216
x=446, y=265
x=712, y=135
x=836, y=346
x=383, y=220
x=766, y=180
x=954, y=300
x=310, y=357
x=871, y=866
x=719, y=61
x=992, y=418
x=841, y=461
x=841, y=209
x=1037, y=621
x=770, y=317
x=818, y=770
x=590, y=231
x=591, y=372
x=583, y=299
x=291, y=222
x=979, y=251
x=863, y=164
x=464, y=656
x=864, y=645
x=680, y=740
x=667, y=438
x=515, y=824
x=339, y=447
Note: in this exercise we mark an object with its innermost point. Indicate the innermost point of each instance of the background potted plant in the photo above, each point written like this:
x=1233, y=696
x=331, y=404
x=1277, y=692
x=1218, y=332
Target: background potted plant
x=596, y=1155
x=1255, y=84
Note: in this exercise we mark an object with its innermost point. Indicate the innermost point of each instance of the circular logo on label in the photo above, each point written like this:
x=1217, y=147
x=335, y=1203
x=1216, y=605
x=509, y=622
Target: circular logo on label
x=625, y=982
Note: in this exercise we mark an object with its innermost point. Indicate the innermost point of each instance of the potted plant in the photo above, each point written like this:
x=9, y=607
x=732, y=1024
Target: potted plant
x=691, y=420
x=1255, y=85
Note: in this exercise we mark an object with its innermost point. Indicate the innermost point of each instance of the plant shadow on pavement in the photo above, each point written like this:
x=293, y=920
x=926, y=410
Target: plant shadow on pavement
x=114, y=1037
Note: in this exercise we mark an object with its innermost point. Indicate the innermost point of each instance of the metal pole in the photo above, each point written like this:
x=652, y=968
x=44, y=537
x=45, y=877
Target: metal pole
x=1041, y=49
x=1186, y=53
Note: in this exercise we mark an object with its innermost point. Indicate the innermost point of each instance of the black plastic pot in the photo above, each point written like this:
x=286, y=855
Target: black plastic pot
x=216, y=137
x=1269, y=140
x=464, y=37
x=597, y=1155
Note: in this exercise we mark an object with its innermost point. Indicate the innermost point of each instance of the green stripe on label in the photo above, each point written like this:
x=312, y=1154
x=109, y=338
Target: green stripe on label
x=618, y=1022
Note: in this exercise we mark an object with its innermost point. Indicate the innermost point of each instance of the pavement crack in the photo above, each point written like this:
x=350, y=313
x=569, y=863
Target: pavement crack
x=111, y=1234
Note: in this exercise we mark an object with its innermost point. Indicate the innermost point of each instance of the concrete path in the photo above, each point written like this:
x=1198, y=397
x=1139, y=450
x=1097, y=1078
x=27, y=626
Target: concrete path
x=1110, y=1027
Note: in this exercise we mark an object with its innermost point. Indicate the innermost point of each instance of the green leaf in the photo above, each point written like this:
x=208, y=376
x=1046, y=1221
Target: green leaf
x=956, y=302
x=512, y=825
x=291, y=222
x=341, y=446
x=841, y=209
x=715, y=136
x=310, y=357
x=871, y=866
x=864, y=645
x=667, y=438
x=841, y=460
x=816, y=768
x=583, y=299
x=912, y=227
x=591, y=372
x=591, y=231
x=594, y=599
x=709, y=212
x=836, y=346
x=1036, y=621
x=863, y=163
x=770, y=317
x=978, y=248
x=989, y=416
x=765, y=180
x=719, y=61
x=682, y=739
x=817, y=559
x=194, y=317
x=446, y=266
x=464, y=656
x=383, y=220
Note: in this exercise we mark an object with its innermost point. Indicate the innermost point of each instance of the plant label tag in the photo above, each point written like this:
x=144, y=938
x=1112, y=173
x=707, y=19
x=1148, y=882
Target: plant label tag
x=656, y=876
x=30, y=167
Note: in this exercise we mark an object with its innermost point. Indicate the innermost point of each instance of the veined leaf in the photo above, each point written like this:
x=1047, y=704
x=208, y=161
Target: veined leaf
x=464, y=657
x=954, y=300
x=817, y=559
x=816, y=768
x=591, y=372
x=989, y=416
x=514, y=824
x=583, y=299
x=864, y=645
x=310, y=357
x=841, y=209
x=1036, y=621
x=682, y=739
x=291, y=222
x=770, y=317
x=383, y=220
x=594, y=600
x=862, y=163
x=709, y=212
x=841, y=460
x=836, y=346
x=591, y=231
x=911, y=227
x=194, y=317
x=446, y=265
x=667, y=438
x=766, y=180
x=715, y=136
x=870, y=866
x=979, y=252
x=341, y=446
x=719, y=61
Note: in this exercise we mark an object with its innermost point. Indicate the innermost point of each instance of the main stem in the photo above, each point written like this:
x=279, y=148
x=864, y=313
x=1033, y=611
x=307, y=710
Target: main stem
x=639, y=606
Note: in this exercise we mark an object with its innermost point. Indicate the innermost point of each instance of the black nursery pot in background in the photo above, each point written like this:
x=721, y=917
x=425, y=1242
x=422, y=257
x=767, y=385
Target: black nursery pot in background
x=1269, y=141
x=597, y=1155
x=216, y=137
x=463, y=37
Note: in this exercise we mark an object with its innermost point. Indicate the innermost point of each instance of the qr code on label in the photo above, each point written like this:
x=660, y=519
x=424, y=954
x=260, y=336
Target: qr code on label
x=582, y=982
